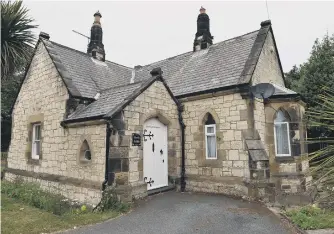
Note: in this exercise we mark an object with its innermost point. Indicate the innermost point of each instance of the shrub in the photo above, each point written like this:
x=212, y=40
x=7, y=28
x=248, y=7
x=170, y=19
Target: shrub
x=110, y=201
x=310, y=217
x=33, y=195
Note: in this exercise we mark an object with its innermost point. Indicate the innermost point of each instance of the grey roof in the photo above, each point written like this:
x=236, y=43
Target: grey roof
x=279, y=90
x=218, y=66
x=88, y=75
x=107, y=101
x=227, y=63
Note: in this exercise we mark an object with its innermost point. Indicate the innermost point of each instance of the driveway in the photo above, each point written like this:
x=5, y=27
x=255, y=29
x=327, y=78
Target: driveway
x=174, y=213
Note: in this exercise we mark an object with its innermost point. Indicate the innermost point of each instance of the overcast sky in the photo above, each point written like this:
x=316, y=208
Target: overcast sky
x=139, y=33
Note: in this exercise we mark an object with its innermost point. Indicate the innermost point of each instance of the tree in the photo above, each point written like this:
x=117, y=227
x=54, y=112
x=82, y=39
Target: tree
x=17, y=37
x=17, y=40
x=293, y=78
x=318, y=71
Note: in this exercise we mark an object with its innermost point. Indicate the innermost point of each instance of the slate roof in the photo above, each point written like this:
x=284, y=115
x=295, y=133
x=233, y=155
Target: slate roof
x=89, y=76
x=227, y=63
x=279, y=90
x=218, y=66
x=108, y=99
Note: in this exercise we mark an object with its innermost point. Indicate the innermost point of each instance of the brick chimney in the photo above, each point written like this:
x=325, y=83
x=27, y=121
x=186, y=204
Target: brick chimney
x=203, y=38
x=95, y=46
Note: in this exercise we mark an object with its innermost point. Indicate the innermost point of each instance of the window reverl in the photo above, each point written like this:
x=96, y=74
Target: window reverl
x=36, y=141
x=282, y=135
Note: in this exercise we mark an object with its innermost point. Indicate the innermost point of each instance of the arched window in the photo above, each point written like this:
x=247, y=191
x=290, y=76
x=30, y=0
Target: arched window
x=281, y=134
x=85, y=153
x=210, y=138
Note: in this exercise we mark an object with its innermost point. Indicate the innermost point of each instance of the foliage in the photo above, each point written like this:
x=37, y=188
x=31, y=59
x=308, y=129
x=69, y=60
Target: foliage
x=316, y=72
x=322, y=161
x=17, y=217
x=310, y=217
x=31, y=194
x=110, y=201
x=17, y=38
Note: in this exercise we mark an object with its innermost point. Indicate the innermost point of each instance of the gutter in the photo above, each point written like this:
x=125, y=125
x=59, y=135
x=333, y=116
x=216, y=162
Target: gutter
x=106, y=173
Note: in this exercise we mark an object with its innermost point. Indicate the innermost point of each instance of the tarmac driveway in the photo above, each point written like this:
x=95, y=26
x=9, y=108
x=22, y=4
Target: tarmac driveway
x=174, y=212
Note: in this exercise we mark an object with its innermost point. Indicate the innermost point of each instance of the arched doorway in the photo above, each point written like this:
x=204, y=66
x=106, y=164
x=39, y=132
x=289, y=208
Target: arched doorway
x=155, y=155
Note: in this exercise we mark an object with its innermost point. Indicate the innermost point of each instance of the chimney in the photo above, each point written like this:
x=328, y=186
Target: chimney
x=44, y=35
x=203, y=38
x=95, y=46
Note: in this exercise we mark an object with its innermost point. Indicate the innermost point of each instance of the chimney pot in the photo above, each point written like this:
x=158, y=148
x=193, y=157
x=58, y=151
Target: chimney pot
x=156, y=71
x=44, y=35
x=265, y=23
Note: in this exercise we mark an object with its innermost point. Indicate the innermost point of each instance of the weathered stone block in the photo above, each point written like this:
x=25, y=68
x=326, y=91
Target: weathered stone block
x=233, y=155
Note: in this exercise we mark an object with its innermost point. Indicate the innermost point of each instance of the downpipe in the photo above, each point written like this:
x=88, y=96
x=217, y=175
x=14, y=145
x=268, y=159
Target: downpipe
x=183, y=169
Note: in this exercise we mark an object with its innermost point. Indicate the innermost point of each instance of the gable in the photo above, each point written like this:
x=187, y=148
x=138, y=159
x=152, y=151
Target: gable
x=42, y=90
x=268, y=68
x=116, y=99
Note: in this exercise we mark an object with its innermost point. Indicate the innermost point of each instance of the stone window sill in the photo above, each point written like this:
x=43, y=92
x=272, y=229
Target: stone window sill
x=33, y=161
x=84, y=162
x=284, y=158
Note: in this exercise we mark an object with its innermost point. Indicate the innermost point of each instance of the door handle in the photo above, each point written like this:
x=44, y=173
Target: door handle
x=153, y=146
x=161, y=152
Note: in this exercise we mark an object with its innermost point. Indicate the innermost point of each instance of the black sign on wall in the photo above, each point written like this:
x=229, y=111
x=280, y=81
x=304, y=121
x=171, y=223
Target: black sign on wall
x=136, y=139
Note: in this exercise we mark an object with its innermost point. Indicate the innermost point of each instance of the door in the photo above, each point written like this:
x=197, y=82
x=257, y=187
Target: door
x=155, y=154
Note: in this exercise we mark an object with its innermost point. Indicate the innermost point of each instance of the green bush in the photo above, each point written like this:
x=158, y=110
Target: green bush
x=310, y=217
x=33, y=195
x=110, y=201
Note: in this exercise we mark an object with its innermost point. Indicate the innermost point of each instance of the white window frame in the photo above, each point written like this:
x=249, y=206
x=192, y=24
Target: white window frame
x=34, y=155
x=206, y=139
x=289, y=145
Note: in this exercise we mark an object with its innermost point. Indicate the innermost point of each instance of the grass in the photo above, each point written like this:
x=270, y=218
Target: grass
x=26, y=208
x=310, y=217
x=17, y=218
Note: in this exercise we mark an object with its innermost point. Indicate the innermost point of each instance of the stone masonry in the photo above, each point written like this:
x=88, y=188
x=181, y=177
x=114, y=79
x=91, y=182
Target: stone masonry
x=43, y=99
x=224, y=174
x=267, y=69
x=154, y=102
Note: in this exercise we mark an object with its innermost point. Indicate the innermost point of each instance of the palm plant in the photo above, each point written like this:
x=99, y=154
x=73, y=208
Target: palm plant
x=17, y=37
x=322, y=160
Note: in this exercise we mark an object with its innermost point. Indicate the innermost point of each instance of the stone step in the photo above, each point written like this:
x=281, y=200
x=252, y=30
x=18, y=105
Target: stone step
x=161, y=190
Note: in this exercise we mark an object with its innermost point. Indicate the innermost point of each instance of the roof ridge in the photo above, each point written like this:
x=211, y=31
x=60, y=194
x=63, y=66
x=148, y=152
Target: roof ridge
x=83, y=53
x=192, y=51
x=120, y=86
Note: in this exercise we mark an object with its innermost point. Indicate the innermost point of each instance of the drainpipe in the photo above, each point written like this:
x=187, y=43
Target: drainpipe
x=183, y=126
x=108, y=134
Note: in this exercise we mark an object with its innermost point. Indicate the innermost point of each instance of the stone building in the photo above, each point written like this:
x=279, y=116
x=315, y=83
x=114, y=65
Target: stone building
x=81, y=122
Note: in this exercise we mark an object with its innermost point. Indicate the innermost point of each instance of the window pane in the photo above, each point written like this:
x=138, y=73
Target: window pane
x=282, y=139
x=37, y=132
x=211, y=146
x=37, y=147
x=210, y=130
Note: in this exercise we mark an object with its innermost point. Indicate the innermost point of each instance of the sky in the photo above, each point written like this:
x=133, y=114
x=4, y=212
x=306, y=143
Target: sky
x=143, y=32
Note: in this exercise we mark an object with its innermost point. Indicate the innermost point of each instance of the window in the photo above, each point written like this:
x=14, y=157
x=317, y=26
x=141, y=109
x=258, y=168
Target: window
x=85, y=153
x=36, y=141
x=210, y=138
x=282, y=135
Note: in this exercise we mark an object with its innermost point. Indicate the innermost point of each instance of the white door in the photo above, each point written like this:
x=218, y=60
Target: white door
x=155, y=154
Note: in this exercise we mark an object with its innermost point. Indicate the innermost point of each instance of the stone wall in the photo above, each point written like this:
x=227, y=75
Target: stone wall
x=83, y=195
x=288, y=172
x=267, y=69
x=216, y=175
x=43, y=99
x=154, y=102
x=260, y=120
